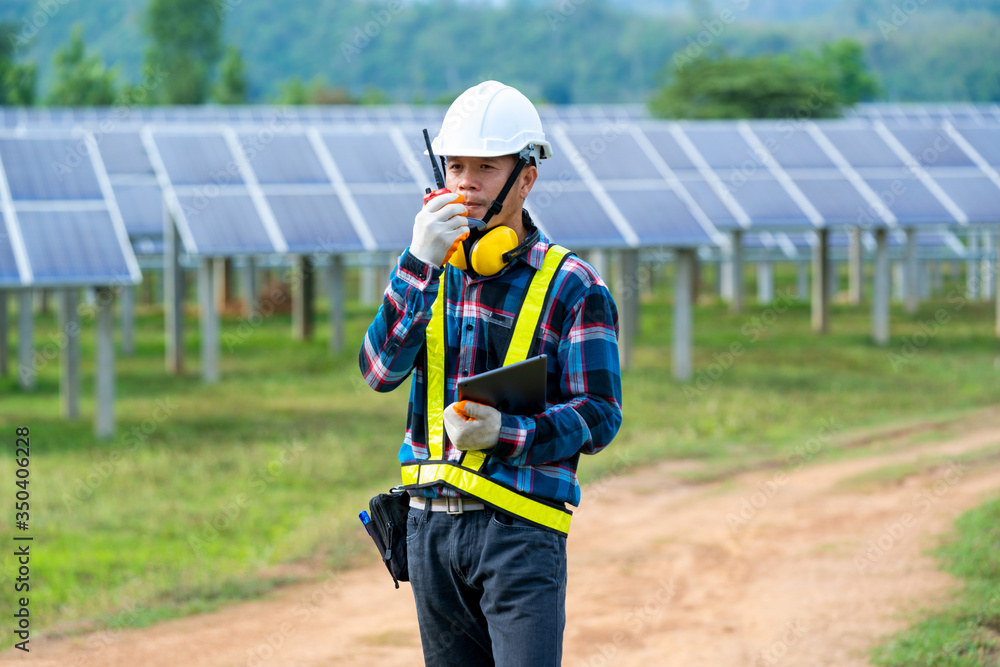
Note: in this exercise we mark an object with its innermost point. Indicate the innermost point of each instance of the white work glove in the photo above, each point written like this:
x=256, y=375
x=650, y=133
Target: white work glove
x=437, y=227
x=472, y=426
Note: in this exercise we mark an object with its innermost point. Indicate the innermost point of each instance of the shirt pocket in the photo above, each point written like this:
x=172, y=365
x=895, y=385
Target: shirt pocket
x=499, y=329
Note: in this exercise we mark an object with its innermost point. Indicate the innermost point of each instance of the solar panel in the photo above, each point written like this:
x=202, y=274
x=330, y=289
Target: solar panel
x=45, y=169
x=792, y=147
x=932, y=147
x=835, y=198
x=141, y=207
x=197, y=159
x=73, y=248
x=861, y=146
x=390, y=217
x=767, y=203
x=709, y=202
x=910, y=201
x=986, y=141
x=660, y=218
x=975, y=194
x=612, y=155
x=667, y=147
x=123, y=153
x=366, y=158
x=315, y=223
x=227, y=224
x=283, y=158
x=573, y=218
x=722, y=146
x=9, y=274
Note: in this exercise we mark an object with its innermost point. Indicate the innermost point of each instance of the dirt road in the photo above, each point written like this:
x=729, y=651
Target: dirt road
x=790, y=565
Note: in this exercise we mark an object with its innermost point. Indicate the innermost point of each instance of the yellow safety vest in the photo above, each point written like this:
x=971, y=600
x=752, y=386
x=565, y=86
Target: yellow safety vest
x=465, y=474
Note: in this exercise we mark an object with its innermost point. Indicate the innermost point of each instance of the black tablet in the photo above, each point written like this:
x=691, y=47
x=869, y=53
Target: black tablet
x=517, y=389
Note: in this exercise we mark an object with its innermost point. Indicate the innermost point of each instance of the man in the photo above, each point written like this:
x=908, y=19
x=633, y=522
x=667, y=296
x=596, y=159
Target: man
x=486, y=532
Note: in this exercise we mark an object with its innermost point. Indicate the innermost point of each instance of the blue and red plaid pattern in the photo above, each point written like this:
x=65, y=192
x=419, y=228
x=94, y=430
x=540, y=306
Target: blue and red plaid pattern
x=578, y=331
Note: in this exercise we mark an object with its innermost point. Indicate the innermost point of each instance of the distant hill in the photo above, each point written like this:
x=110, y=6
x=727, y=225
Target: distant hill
x=562, y=51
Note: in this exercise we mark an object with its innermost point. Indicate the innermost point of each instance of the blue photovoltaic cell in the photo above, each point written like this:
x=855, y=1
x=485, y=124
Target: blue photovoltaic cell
x=793, y=148
x=225, y=225
x=124, y=153
x=709, y=202
x=39, y=169
x=367, y=158
x=768, y=204
x=141, y=207
x=976, y=195
x=932, y=147
x=283, y=158
x=73, y=248
x=986, y=141
x=861, y=146
x=720, y=145
x=910, y=201
x=390, y=218
x=573, y=218
x=837, y=200
x=667, y=147
x=314, y=224
x=197, y=159
x=415, y=140
x=148, y=246
x=559, y=167
x=660, y=218
x=612, y=154
x=9, y=275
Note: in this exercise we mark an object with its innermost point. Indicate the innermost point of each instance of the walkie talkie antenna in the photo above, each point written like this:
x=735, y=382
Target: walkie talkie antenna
x=438, y=178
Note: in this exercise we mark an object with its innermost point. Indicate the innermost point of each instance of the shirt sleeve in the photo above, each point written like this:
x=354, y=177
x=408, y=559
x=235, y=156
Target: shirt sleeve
x=397, y=333
x=590, y=376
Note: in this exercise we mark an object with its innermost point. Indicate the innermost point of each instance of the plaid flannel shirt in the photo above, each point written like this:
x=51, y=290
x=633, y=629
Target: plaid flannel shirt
x=537, y=455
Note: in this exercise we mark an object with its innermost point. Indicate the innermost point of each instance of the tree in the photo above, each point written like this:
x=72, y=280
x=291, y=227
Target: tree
x=17, y=80
x=771, y=86
x=232, y=85
x=186, y=43
x=317, y=92
x=81, y=80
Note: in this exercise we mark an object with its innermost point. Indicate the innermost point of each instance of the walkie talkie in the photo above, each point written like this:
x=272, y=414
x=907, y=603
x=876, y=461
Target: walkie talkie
x=474, y=223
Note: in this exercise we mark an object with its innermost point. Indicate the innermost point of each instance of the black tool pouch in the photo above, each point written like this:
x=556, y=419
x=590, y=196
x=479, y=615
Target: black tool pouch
x=388, y=514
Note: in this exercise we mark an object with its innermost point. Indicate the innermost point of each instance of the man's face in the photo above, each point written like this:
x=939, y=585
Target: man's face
x=480, y=180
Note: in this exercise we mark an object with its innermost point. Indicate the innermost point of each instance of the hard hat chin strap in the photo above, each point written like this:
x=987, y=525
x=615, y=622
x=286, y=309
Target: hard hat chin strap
x=497, y=204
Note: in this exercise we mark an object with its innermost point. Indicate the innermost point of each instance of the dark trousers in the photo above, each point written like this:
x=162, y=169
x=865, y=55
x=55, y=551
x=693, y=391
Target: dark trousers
x=490, y=589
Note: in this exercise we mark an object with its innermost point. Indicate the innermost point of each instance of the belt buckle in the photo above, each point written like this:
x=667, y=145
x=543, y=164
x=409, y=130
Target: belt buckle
x=458, y=504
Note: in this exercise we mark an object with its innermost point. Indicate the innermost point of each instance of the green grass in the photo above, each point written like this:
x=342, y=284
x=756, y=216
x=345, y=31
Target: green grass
x=968, y=633
x=257, y=480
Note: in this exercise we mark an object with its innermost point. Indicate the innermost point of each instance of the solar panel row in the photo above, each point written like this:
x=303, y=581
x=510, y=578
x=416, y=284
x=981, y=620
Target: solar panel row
x=60, y=226
x=306, y=188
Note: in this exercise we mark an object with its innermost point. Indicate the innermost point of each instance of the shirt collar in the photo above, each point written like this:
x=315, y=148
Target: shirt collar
x=536, y=255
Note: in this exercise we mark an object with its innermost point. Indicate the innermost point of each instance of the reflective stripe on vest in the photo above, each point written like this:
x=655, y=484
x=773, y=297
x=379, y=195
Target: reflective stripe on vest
x=464, y=475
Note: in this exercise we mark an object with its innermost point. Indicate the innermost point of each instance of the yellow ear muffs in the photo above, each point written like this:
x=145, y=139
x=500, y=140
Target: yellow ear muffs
x=487, y=253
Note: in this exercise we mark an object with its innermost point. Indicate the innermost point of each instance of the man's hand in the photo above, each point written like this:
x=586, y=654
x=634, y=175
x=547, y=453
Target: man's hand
x=437, y=227
x=472, y=426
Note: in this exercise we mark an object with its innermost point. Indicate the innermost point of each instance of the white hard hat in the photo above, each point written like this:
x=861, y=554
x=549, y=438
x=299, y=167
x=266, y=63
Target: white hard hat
x=490, y=120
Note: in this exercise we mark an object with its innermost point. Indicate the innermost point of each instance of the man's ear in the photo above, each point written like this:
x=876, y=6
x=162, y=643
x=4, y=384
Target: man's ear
x=528, y=177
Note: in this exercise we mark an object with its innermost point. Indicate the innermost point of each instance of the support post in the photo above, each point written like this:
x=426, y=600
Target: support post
x=69, y=363
x=736, y=275
x=911, y=289
x=173, y=296
x=802, y=280
x=209, y=323
x=855, y=268
x=303, y=299
x=821, y=282
x=249, y=284
x=335, y=293
x=765, y=281
x=25, y=346
x=128, y=320
x=881, y=288
x=104, y=417
x=4, y=324
x=628, y=303
x=683, y=310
